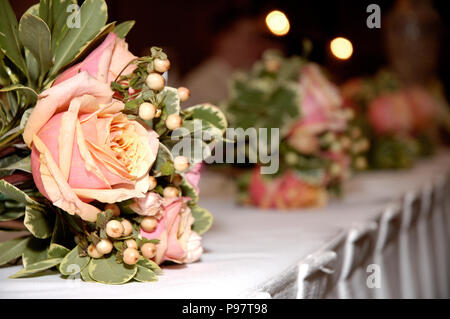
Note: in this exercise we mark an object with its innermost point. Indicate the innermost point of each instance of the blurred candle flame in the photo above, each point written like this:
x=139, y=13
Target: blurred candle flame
x=278, y=23
x=341, y=48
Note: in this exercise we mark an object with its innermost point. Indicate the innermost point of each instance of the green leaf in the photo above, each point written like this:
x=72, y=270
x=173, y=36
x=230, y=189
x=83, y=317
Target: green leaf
x=73, y=262
x=188, y=190
x=37, y=267
x=12, y=192
x=150, y=264
x=167, y=169
x=35, y=36
x=145, y=275
x=59, y=17
x=171, y=101
x=16, y=87
x=123, y=28
x=209, y=114
x=108, y=271
x=11, y=215
x=23, y=165
x=93, y=16
x=9, y=39
x=57, y=251
x=38, y=222
x=45, y=12
x=203, y=219
x=12, y=249
x=85, y=274
x=164, y=155
x=36, y=250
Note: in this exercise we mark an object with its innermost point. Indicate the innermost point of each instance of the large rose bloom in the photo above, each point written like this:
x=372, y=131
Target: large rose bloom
x=83, y=147
x=178, y=242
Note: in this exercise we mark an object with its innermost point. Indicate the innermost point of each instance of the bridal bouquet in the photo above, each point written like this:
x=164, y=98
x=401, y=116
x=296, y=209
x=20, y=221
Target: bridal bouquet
x=316, y=149
x=87, y=161
x=399, y=121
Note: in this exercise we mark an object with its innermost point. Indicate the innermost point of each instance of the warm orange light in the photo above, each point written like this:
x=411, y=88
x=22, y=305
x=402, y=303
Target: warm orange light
x=341, y=48
x=278, y=23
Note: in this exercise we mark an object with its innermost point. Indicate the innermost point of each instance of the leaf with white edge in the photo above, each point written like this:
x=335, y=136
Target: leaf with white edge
x=203, y=219
x=73, y=261
x=93, y=15
x=85, y=274
x=170, y=100
x=108, y=271
x=12, y=192
x=37, y=267
x=208, y=113
x=31, y=94
x=22, y=165
x=12, y=249
x=36, y=250
x=150, y=264
x=45, y=12
x=9, y=39
x=188, y=190
x=123, y=28
x=35, y=36
x=57, y=251
x=38, y=222
x=164, y=155
x=145, y=275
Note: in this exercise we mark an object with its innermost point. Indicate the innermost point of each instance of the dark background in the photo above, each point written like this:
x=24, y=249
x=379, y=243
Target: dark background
x=187, y=29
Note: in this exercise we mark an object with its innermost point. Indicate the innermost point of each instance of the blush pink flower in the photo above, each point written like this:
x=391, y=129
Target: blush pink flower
x=150, y=205
x=178, y=242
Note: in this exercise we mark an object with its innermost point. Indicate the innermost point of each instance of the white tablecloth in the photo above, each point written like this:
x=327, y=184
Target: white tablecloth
x=248, y=252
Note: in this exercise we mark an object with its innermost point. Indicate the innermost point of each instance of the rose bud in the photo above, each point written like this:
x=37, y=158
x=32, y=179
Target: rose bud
x=114, y=229
x=173, y=122
x=131, y=243
x=170, y=192
x=104, y=246
x=183, y=93
x=113, y=208
x=148, y=250
x=147, y=111
x=131, y=256
x=127, y=227
x=181, y=163
x=149, y=224
x=155, y=81
x=93, y=252
x=161, y=66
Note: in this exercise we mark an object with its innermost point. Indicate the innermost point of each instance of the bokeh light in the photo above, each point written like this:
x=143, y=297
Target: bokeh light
x=278, y=23
x=341, y=48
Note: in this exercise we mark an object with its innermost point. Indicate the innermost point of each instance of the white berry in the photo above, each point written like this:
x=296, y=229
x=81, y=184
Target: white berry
x=181, y=163
x=114, y=208
x=131, y=243
x=148, y=250
x=173, y=122
x=114, y=229
x=149, y=224
x=183, y=93
x=161, y=66
x=127, y=227
x=147, y=111
x=170, y=192
x=131, y=256
x=155, y=81
x=152, y=182
x=93, y=252
x=104, y=246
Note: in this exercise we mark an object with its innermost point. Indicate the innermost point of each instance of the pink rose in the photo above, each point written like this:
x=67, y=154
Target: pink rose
x=285, y=192
x=178, y=242
x=391, y=113
x=150, y=205
x=321, y=101
x=193, y=175
x=84, y=148
x=423, y=108
x=105, y=62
